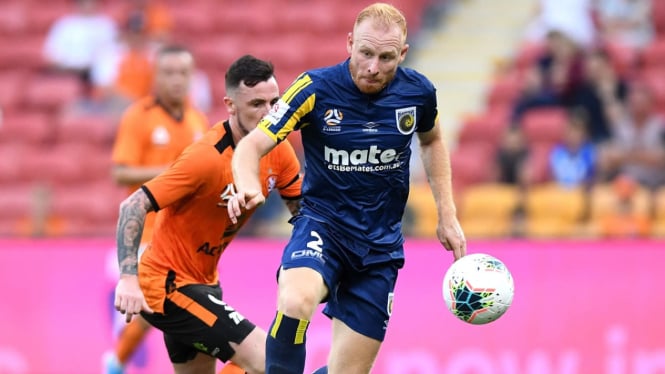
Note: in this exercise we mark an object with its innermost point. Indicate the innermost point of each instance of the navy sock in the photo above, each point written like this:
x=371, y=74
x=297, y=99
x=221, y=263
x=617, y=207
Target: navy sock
x=285, y=346
x=323, y=370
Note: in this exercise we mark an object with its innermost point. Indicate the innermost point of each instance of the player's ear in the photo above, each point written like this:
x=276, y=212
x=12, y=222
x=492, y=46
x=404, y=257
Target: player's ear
x=349, y=42
x=230, y=108
x=402, y=54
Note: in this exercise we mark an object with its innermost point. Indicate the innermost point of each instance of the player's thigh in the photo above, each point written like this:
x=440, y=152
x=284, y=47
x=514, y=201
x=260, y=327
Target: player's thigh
x=250, y=354
x=351, y=352
x=197, y=320
x=201, y=363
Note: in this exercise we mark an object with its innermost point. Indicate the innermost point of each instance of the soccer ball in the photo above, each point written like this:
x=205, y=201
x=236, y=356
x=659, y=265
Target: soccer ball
x=478, y=288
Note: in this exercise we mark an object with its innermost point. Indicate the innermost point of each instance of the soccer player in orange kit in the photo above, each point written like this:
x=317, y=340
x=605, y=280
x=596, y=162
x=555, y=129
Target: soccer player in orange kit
x=152, y=133
x=176, y=287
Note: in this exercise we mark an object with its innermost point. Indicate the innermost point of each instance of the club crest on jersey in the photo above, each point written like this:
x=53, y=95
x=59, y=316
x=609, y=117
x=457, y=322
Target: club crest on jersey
x=333, y=117
x=406, y=119
x=272, y=181
x=277, y=112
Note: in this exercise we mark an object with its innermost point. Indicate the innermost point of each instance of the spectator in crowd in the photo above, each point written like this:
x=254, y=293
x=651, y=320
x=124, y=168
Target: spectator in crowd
x=75, y=40
x=627, y=23
x=554, y=78
x=573, y=17
x=123, y=73
x=158, y=18
x=602, y=87
x=572, y=162
x=637, y=146
x=511, y=157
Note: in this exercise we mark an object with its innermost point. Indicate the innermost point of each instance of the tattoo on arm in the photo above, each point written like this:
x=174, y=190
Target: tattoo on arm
x=130, y=228
x=293, y=206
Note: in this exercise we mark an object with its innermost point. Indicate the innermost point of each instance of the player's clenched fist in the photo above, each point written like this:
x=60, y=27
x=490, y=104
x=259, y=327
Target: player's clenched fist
x=129, y=299
x=243, y=200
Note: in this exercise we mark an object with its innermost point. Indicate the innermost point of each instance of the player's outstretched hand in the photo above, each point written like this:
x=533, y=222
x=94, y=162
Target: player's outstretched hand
x=129, y=299
x=450, y=234
x=243, y=200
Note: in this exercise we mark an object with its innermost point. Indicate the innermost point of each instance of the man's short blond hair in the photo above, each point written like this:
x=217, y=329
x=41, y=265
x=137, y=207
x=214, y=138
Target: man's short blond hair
x=385, y=14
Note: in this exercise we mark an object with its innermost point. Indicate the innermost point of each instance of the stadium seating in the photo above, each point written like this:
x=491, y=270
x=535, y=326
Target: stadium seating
x=554, y=211
x=659, y=212
x=33, y=128
x=52, y=92
x=487, y=210
x=544, y=126
x=423, y=209
x=43, y=144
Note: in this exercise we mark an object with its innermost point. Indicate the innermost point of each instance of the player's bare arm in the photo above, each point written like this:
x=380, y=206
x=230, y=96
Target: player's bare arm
x=436, y=161
x=129, y=298
x=130, y=228
x=245, y=166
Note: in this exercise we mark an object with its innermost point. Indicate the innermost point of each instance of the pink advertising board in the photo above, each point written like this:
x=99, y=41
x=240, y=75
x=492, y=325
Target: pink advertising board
x=579, y=307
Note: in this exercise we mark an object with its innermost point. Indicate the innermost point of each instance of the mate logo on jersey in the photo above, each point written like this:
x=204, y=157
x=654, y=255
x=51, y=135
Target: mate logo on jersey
x=367, y=160
x=406, y=119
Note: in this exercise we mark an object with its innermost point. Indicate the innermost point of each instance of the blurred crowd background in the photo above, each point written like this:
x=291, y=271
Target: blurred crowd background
x=553, y=109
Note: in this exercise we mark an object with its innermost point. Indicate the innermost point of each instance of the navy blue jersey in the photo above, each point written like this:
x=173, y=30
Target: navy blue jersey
x=357, y=147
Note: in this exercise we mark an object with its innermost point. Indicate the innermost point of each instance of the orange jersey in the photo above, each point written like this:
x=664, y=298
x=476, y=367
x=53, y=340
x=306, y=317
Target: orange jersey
x=192, y=228
x=135, y=75
x=149, y=136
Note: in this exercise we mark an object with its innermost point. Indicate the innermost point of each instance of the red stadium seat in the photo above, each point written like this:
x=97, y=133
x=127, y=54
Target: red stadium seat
x=654, y=78
x=25, y=52
x=253, y=17
x=85, y=128
x=527, y=54
x=505, y=89
x=31, y=127
x=658, y=16
x=43, y=17
x=472, y=163
x=317, y=17
x=89, y=209
x=12, y=88
x=486, y=127
x=217, y=52
x=13, y=18
x=52, y=92
x=15, y=200
x=194, y=17
x=653, y=55
x=284, y=54
x=544, y=125
x=11, y=155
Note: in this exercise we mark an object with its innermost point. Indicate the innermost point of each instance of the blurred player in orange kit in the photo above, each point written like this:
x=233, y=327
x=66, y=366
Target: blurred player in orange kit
x=176, y=287
x=152, y=134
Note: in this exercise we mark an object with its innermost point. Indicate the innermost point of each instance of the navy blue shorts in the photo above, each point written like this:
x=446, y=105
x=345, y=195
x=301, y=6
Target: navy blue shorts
x=361, y=280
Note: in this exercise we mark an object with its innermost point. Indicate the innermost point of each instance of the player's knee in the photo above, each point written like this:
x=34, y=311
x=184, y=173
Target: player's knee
x=297, y=303
x=300, y=291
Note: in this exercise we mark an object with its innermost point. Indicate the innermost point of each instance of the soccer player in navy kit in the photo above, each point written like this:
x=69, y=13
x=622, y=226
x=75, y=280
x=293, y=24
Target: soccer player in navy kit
x=357, y=120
